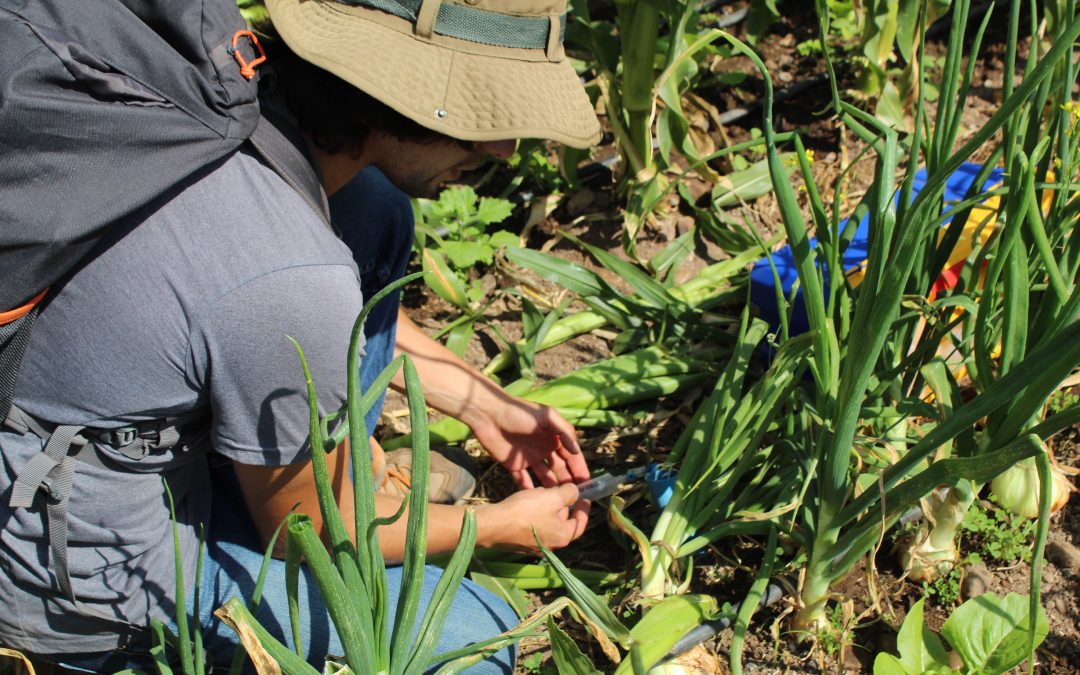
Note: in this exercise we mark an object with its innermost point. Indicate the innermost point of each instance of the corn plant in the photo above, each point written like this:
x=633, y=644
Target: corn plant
x=719, y=283
x=873, y=35
x=599, y=394
x=642, y=73
x=859, y=357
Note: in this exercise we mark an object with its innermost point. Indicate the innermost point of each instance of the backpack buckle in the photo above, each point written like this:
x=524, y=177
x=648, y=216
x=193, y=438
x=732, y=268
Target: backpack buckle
x=247, y=69
x=119, y=437
x=48, y=484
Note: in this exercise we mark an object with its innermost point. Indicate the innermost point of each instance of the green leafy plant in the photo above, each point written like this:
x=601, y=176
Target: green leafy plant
x=452, y=232
x=999, y=536
x=455, y=245
x=988, y=634
x=876, y=33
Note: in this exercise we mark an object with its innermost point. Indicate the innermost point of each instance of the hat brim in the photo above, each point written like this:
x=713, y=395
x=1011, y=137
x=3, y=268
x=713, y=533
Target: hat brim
x=472, y=93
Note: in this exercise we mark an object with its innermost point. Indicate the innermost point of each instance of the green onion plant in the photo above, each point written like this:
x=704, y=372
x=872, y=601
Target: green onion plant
x=870, y=347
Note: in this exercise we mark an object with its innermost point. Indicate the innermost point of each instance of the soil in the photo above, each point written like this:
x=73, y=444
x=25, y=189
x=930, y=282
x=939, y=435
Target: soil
x=870, y=612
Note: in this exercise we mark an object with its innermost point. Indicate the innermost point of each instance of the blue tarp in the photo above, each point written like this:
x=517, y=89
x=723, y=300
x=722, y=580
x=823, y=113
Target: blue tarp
x=762, y=282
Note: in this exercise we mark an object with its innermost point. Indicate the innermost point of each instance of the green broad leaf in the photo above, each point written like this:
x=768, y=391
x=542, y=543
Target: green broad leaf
x=907, y=28
x=887, y=664
x=457, y=202
x=505, y=238
x=517, y=598
x=457, y=340
x=441, y=279
x=991, y=633
x=920, y=648
x=890, y=109
x=466, y=254
x=671, y=256
x=647, y=289
x=568, y=657
x=493, y=210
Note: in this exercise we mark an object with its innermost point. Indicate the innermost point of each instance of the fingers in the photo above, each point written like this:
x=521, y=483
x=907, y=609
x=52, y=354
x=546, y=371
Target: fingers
x=576, y=468
x=559, y=469
x=523, y=479
x=565, y=430
x=567, y=447
x=545, y=474
x=579, y=518
x=569, y=494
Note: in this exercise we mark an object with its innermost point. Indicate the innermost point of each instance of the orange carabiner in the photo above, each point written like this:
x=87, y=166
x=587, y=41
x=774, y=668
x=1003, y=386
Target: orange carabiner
x=247, y=69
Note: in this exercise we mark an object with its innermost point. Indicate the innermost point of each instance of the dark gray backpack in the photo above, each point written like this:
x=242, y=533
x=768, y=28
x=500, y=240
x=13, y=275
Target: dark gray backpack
x=104, y=106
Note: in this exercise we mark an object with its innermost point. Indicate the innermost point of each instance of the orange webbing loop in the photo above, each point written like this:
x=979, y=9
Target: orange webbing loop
x=19, y=312
x=247, y=69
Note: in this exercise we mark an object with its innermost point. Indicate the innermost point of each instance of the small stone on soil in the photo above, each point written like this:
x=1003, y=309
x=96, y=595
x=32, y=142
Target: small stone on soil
x=977, y=579
x=1064, y=555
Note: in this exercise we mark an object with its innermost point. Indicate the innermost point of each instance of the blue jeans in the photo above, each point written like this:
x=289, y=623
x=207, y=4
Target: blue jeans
x=375, y=220
x=230, y=567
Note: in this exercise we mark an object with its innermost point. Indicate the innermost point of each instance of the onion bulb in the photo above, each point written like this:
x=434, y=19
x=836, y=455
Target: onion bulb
x=1017, y=490
x=930, y=552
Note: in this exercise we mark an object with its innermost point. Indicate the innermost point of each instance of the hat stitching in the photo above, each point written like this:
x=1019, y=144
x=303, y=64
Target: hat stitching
x=446, y=89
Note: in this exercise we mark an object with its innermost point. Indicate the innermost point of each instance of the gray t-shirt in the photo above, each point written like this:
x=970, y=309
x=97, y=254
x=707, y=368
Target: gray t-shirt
x=191, y=309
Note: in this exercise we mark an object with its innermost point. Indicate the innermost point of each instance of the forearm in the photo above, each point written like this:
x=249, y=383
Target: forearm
x=273, y=492
x=443, y=528
x=451, y=385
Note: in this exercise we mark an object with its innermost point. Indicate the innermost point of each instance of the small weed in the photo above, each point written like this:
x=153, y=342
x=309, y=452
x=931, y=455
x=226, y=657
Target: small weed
x=996, y=536
x=831, y=638
x=1061, y=400
x=531, y=663
x=533, y=164
x=452, y=237
x=809, y=48
x=946, y=589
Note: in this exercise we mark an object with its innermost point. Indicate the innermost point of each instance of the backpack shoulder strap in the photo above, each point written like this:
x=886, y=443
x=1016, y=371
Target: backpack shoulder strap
x=279, y=145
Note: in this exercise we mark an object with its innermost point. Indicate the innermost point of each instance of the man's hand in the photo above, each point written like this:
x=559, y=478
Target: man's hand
x=522, y=435
x=556, y=514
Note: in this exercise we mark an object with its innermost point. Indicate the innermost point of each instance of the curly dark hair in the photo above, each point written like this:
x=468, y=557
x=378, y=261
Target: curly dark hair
x=336, y=114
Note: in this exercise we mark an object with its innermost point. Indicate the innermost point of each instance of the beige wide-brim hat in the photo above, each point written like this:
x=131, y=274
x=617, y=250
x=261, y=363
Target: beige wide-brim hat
x=476, y=70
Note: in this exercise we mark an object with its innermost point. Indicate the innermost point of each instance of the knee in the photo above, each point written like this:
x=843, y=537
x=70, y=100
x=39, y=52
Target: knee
x=476, y=615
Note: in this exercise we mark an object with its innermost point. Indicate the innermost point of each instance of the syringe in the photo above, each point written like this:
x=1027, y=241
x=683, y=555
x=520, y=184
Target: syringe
x=605, y=486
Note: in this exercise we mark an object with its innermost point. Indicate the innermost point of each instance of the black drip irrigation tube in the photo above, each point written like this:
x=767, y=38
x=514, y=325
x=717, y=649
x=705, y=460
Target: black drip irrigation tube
x=703, y=632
